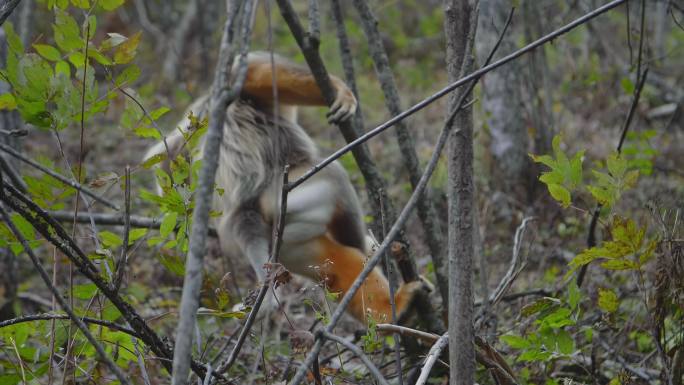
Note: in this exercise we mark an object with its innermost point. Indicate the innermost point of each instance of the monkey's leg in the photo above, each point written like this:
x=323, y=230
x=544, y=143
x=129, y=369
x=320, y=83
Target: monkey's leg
x=340, y=265
x=246, y=231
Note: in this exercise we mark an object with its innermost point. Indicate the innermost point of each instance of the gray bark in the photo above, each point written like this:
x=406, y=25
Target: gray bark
x=220, y=99
x=460, y=24
x=426, y=208
x=502, y=102
x=6, y=8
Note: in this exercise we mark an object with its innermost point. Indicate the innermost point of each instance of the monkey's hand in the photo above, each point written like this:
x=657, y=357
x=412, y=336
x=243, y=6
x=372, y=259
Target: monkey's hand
x=344, y=105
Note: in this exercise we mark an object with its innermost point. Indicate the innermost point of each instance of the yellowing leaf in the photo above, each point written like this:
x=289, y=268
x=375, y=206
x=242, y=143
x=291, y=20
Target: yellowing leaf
x=126, y=51
x=608, y=300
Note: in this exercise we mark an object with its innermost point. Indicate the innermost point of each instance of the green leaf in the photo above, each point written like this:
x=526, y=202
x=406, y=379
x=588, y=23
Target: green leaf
x=47, y=51
x=127, y=76
x=147, y=132
x=85, y=291
x=560, y=194
x=67, y=33
x=516, y=342
x=565, y=343
x=159, y=112
x=608, y=300
x=13, y=40
x=110, y=5
x=7, y=102
x=83, y=4
x=135, y=234
x=153, y=160
x=168, y=224
x=110, y=239
x=99, y=57
x=62, y=67
x=539, y=305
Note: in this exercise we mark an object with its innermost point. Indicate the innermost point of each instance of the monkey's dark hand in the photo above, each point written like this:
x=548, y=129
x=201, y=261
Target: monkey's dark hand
x=344, y=105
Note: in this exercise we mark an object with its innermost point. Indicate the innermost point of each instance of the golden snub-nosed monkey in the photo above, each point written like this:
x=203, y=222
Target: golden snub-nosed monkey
x=324, y=235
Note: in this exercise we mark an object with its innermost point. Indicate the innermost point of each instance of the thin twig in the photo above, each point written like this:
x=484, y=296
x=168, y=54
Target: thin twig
x=53, y=316
x=14, y=132
x=514, y=267
x=14, y=177
x=114, y=220
x=357, y=352
x=57, y=176
x=406, y=331
x=62, y=302
x=123, y=259
x=432, y=357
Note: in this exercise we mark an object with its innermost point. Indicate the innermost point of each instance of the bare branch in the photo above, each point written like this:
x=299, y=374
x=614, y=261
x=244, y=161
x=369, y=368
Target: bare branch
x=6, y=8
x=220, y=99
x=432, y=357
x=63, y=179
x=357, y=352
x=113, y=220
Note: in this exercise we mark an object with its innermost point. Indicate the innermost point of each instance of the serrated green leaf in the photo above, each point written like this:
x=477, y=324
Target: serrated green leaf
x=67, y=33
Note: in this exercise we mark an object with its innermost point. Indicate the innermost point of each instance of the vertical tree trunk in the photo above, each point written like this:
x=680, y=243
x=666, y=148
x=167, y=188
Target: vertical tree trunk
x=9, y=120
x=502, y=104
x=460, y=25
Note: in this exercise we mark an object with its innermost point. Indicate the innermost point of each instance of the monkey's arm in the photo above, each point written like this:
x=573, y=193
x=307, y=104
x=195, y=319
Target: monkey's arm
x=296, y=86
